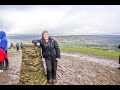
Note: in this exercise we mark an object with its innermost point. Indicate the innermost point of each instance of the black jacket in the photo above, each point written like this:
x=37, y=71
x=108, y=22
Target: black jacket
x=50, y=49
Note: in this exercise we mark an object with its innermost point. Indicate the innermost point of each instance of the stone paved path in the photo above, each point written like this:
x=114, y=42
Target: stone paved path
x=11, y=76
x=73, y=69
x=80, y=69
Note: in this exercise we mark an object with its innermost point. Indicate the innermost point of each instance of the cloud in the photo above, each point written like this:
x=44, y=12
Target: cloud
x=60, y=19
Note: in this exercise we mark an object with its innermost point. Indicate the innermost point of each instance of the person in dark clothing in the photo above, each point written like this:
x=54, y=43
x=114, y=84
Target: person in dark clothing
x=51, y=53
x=21, y=45
x=17, y=46
x=11, y=46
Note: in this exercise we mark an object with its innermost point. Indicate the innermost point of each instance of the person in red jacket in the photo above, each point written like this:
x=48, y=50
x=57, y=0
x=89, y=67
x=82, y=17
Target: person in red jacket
x=3, y=56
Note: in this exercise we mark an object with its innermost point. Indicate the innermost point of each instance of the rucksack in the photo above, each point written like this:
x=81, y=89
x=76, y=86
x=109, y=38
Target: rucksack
x=119, y=46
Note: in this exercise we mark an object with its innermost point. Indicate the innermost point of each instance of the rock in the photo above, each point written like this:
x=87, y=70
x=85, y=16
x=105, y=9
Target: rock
x=32, y=70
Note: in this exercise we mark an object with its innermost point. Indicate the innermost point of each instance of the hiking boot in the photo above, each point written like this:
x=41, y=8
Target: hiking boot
x=6, y=68
x=50, y=81
x=54, y=80
x=1, y=71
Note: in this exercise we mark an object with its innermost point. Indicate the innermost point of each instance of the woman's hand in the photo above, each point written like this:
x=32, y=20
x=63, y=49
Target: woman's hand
x=37, y=45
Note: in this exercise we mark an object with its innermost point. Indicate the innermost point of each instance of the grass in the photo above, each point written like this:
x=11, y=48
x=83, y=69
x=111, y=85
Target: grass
x=103, y=53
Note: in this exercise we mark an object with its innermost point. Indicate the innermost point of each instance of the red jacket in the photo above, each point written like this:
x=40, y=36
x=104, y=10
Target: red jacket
x=3, y=55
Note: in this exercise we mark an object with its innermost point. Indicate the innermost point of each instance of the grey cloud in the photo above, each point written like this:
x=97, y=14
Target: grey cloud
x=61, y=19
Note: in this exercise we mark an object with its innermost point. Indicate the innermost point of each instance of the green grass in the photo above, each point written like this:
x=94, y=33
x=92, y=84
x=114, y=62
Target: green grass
x=103, y=53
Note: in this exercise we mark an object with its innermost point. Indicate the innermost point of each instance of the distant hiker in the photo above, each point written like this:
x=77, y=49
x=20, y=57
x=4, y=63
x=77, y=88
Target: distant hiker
x=11, y=46
x=51, y=53
x=17, y=46
x=3, y=56
x=119, y=57
x=21, y=45
x=4, y=46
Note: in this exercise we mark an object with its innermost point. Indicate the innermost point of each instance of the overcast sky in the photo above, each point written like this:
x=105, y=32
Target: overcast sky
x=60, y=19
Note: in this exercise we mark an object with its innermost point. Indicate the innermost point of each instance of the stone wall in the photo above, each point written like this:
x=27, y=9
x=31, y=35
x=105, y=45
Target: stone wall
x=32, y=69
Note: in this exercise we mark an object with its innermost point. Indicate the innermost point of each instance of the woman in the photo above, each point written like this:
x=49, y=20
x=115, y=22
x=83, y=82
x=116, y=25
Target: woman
x=51, y=53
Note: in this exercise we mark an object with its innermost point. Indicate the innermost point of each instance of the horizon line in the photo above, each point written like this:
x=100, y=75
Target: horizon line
x=60, y=35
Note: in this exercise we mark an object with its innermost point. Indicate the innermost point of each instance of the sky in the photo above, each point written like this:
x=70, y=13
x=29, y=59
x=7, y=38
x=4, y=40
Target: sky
x=60, y=19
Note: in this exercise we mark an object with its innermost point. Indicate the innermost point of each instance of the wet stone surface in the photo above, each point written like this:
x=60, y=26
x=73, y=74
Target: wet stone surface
x=73, y=69
x=80, y=69
x=11, y=76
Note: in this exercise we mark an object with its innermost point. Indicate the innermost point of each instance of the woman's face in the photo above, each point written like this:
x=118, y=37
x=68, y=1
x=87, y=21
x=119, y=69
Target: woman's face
x=46, y=35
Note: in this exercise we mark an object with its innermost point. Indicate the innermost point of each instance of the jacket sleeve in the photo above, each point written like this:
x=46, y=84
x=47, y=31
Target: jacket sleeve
x=3, y=44
x=36, y=41
x=57, y=49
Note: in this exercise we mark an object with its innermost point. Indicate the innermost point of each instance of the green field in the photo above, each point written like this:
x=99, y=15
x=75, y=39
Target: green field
x=102, y=53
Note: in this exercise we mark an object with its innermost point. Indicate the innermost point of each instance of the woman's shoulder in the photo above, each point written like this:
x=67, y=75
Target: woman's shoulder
x=54, y=40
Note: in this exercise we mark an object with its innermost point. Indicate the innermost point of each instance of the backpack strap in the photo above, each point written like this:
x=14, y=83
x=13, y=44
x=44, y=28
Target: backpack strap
x=52, y=41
